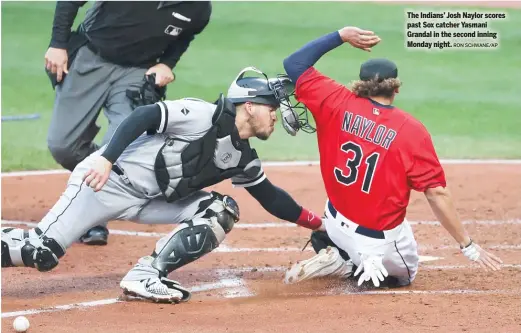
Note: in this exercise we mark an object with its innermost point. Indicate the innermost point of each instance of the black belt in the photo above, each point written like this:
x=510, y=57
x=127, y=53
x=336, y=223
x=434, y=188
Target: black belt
x=117, y=170
x=93, y=48
x=120, y=173
x=378, y=234
x=116, y=61
x=97, y=52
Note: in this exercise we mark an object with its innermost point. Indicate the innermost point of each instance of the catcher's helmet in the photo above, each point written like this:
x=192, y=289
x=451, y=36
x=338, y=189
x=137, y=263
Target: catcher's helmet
x=251, y=89
x=276, y=92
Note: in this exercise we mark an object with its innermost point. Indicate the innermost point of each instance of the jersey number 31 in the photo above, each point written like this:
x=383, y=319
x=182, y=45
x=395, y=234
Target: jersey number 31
x=354, y=163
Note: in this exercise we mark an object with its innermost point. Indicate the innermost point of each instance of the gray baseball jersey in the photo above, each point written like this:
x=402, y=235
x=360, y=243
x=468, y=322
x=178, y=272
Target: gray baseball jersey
x=136, y=195
x=187, y=119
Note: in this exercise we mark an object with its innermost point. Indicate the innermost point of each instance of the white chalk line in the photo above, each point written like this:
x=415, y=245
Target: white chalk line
x=109, y=301
x=234, y=287
x=271, y=225
x=277, y=164
x=488, y=246
x=241, y=289
x=409, y=292
x=35, y=173
x=434, y=223
x=223, y=248
x=251, y=269
x=158, y=234
x=221, y=284
x=61, y=308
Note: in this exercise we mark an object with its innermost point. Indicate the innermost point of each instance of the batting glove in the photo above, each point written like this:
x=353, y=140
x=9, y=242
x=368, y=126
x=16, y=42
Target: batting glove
x=373, y=269
x=487, y=260
x=471, y=251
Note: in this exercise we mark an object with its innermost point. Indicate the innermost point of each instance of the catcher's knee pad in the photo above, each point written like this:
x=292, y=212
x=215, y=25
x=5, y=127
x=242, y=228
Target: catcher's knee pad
x=30, y=248
x=199, y=236
x=221, y=207
x=320, y=240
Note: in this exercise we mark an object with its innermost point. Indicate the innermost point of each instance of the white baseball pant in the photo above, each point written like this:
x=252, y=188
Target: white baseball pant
x=400, y=248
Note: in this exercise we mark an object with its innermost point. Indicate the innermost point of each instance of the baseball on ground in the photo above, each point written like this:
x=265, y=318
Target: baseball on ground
x=21, y=324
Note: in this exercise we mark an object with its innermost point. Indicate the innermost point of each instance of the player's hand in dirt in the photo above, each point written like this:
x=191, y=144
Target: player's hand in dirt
x=98, y=174
x=164, y=74
x=373, y=268
x=361, y=39
x=486, y=260
x=56, y=62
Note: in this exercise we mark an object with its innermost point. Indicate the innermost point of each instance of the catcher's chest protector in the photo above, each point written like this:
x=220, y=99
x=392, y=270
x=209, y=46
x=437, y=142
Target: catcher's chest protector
x=183, y=167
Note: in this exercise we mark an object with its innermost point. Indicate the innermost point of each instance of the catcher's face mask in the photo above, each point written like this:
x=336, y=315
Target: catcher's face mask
x=294, y=116
x=280, y=90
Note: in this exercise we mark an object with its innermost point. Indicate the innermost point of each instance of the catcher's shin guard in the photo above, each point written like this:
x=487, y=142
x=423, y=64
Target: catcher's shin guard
x=30, y=249
x=186, y=243
x=190, y=241
x=193, y=239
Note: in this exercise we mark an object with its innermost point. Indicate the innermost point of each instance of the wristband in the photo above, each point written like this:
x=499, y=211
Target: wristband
x=469, y=244
x=471, y=251
x=308, y=219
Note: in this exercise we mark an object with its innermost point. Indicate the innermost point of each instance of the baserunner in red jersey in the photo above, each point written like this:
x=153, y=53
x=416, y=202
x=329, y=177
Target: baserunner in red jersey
x=372, y=154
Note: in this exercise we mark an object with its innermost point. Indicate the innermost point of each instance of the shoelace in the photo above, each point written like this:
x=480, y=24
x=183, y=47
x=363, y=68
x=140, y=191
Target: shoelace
x=307, y=243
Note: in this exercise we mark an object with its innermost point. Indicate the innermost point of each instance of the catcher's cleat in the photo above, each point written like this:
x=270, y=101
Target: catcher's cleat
x=159, y=290
x=327, y=262
x=96, y=236
x=29, y=248
x=7, y=241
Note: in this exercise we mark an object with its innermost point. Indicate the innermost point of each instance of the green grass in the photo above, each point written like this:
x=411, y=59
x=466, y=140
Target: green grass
x=467, y=99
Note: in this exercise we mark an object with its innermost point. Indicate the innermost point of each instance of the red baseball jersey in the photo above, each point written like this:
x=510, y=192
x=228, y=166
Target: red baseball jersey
x=371, y=155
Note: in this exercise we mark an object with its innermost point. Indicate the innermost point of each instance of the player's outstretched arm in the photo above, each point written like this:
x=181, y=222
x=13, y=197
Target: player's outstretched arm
x=442, y=205
x=359, y=38
x=144, y=118
x=280, y=204
x=318, y=92
x=298, y=62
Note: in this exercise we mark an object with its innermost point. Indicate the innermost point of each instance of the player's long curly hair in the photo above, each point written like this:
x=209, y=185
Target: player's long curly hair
x=373, y=88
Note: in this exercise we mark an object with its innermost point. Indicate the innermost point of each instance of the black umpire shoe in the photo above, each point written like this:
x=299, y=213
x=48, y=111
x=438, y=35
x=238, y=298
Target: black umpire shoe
x=96, y=236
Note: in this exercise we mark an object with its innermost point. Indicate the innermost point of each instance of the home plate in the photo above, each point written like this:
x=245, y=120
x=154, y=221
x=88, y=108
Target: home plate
x=429, y=258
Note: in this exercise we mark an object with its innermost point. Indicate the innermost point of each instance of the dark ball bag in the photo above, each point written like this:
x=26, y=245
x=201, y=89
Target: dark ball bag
x=149, y=93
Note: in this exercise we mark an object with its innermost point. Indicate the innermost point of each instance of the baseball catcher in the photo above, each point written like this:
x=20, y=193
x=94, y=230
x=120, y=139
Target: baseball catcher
x=154, y=170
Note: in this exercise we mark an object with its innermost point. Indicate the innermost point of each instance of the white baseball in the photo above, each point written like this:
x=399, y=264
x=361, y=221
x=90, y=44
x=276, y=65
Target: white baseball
x=21, y=324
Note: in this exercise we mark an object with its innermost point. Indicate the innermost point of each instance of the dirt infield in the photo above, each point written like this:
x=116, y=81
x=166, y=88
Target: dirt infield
x=238, y=288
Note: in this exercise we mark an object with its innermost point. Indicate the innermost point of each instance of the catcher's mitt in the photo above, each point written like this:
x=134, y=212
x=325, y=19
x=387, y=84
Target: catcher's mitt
x=149, y=93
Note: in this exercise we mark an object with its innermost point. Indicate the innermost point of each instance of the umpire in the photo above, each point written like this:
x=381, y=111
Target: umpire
x=121, y=56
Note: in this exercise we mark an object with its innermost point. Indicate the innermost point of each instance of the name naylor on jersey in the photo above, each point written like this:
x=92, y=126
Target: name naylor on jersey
x=365, y=129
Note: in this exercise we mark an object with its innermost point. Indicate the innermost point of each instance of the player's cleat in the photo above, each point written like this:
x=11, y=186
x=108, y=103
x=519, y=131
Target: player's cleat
x=96, y=236
x=145, y=282
x=156, y=290
x=327, y=262
x=9, y=240
x=26, y=248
